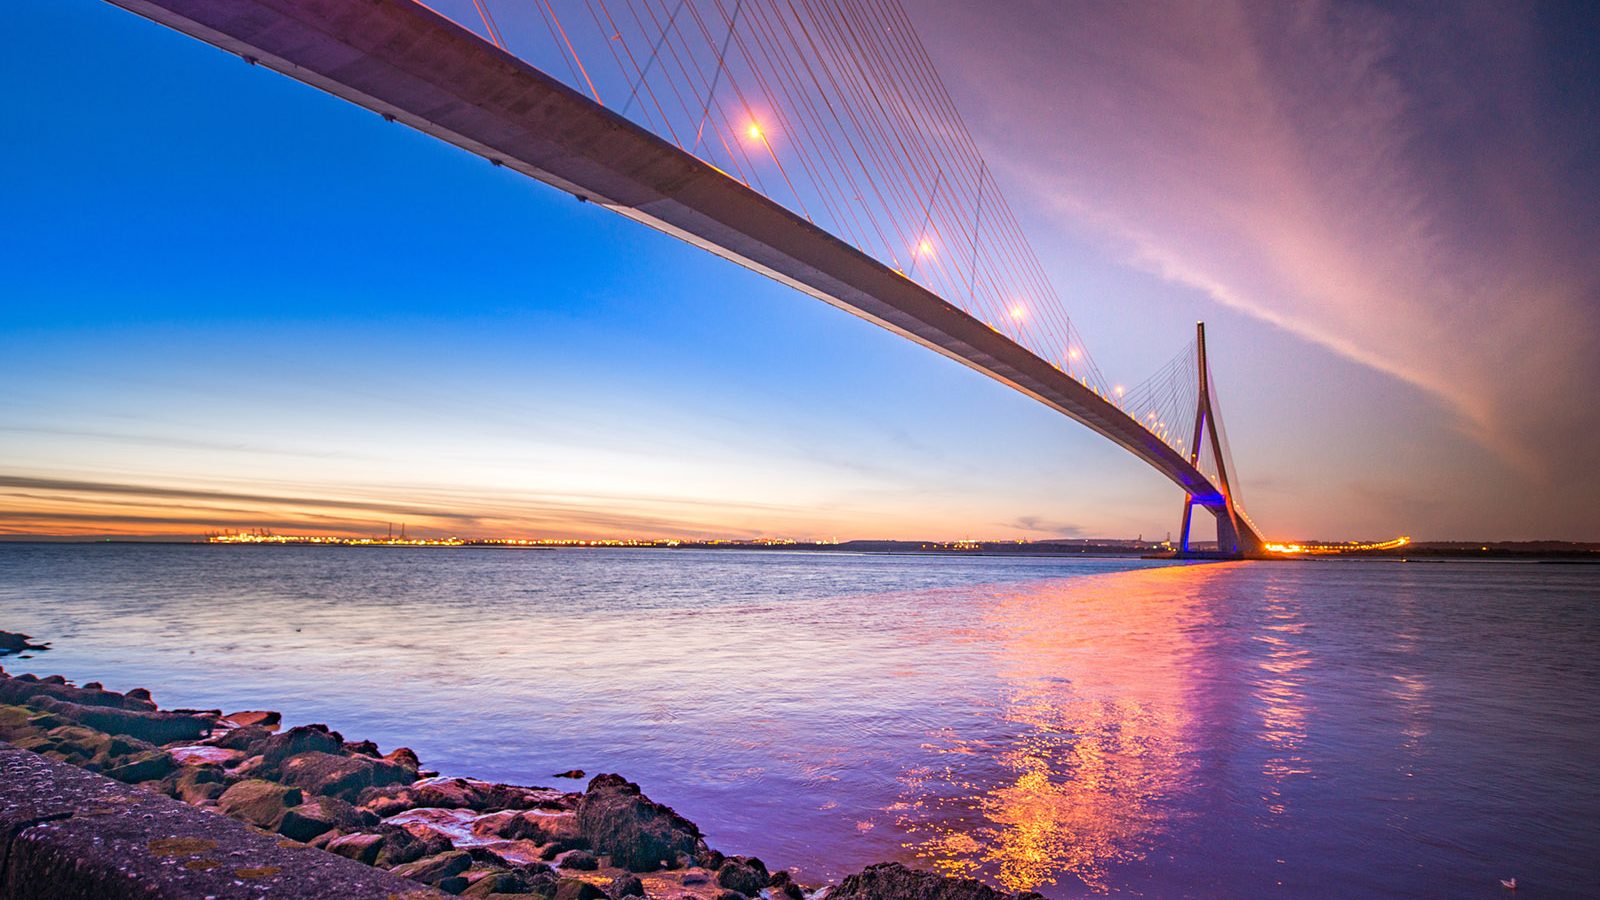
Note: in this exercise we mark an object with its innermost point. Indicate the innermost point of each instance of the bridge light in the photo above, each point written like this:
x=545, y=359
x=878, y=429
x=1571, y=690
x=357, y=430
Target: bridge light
x=1017, y=312
x=755, y=132
x=1073, y=353
x=1118, y=390
x=925, y=247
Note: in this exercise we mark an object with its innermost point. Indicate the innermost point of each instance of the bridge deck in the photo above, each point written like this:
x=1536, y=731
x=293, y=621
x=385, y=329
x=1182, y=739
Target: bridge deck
x=402, y=60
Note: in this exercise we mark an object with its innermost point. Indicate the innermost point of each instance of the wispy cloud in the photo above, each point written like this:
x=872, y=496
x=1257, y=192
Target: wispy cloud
x=37, y=505
x=1045, y=526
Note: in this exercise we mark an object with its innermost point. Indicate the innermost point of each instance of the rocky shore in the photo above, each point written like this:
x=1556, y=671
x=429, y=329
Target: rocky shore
x=309, y=785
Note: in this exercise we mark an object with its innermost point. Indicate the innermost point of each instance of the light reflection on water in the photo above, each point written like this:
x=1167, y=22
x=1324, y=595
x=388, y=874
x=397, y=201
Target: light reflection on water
x=1280, y=690
x=1098, y=729
x=1074, y=726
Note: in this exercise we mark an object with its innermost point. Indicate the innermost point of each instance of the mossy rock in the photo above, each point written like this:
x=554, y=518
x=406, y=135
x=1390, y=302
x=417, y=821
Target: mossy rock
x=149, y=765
x=261, y=803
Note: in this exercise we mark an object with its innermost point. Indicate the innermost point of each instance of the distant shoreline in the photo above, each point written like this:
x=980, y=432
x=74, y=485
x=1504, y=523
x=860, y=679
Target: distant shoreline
x=1530, y=551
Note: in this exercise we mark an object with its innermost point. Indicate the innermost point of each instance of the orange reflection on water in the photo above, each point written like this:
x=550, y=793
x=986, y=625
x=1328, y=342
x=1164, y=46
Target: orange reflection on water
x=1093, y=736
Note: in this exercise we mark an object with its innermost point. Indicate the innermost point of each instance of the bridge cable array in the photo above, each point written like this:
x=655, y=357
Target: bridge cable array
x=833, y=108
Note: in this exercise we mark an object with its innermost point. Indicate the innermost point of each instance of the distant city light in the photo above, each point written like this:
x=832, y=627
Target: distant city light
x=1345, y=547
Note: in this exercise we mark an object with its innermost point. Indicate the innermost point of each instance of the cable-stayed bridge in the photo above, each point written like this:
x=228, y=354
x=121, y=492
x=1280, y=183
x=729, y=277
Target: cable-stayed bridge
x=809, y=140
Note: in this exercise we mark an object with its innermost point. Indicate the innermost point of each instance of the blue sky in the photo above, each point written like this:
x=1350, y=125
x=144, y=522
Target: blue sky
x=227, y=299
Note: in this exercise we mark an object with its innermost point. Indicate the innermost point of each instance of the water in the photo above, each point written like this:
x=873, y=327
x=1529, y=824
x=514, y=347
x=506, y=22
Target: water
x=1074, y=726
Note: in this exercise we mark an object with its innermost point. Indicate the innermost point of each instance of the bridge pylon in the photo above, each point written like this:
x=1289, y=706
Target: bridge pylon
x=1236, y=536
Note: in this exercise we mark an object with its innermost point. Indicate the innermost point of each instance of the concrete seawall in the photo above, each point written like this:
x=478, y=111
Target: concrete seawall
x=67, y=833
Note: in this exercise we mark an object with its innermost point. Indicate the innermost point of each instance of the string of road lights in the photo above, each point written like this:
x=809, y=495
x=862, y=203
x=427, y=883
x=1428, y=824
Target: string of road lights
x=833, y=108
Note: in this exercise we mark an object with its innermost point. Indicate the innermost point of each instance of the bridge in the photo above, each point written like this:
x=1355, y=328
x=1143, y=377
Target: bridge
x=808, y=140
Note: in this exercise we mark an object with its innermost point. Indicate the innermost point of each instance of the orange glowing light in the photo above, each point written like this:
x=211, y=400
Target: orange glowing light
x=1334, y=548
x=755, y=132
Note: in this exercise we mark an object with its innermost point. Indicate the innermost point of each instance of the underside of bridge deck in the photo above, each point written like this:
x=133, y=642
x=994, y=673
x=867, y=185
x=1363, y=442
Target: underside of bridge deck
x=404, y=61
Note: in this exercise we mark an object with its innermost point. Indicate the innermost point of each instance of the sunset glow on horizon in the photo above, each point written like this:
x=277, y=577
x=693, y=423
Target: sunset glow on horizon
x=242, y=304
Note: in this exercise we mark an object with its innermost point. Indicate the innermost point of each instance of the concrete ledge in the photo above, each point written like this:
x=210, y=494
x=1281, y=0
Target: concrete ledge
x=67, y=833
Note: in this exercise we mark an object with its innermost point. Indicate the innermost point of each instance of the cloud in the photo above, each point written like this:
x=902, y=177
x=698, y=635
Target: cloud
x=1046, y=526
x=1403, y=187
x=41, y=505
x=100, y=489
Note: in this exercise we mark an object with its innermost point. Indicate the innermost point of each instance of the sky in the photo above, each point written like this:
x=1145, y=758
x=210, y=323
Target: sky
x=230, y=301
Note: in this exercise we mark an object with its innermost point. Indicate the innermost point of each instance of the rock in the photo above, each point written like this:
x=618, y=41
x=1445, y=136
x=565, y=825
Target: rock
x=581, y=860
x=403, y=845
x=893, y=881
x=155, y=727
x=25, y=687
x=127, y=759
x=18, y=723
x=637, y=833
x=575, y=889
x=150, y=765
x=390, y=801
x=525, y=854
x=261, y=803
x=265, y=719
x=300, y=739
x=451, y=824
x=729, y=895
x=246, y=739
x=320, y=814
x=252, y=767
x=781, y=884
x=361, y=847
x=706, y=858
x=742, y=877
x=362, y=748
x=340, y=776
x=204, y=754
x=14, y=642
x=497, y=883
x=194, y=784
x=404, y=756
x=455, y=884
x=141, y=695
x=70, y=743
x=562, y=845
x=458, y=793
x=570, y=773
x=436, y=868
x=511, y=825
x=627, y=885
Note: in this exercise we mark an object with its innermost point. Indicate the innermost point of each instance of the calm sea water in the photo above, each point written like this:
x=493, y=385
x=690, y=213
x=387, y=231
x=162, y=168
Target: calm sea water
x=1073, y=726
